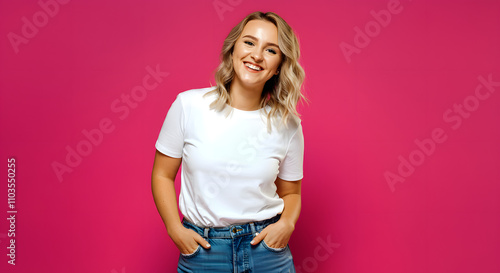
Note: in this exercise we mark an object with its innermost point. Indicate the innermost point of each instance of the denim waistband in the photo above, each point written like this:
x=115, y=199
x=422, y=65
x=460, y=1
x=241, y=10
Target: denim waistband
x=233, y=230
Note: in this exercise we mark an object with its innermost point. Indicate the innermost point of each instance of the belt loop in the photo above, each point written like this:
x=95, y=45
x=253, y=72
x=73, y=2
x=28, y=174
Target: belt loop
x=205, y=233
x=252, y=227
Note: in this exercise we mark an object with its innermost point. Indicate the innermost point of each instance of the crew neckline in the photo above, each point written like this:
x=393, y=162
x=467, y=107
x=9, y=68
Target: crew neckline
x=246, y=111
x=250, y=113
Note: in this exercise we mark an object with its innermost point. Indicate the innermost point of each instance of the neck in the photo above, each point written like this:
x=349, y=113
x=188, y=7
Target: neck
x=243, y=97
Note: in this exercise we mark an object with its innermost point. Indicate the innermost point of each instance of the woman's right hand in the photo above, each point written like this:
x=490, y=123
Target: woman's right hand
x=187, y=240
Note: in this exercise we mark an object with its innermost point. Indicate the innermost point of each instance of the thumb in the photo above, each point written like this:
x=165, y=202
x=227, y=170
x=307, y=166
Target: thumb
x=258, y=237
x=200, y=240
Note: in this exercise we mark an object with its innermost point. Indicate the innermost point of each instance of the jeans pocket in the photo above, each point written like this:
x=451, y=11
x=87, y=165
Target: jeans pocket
x=191, y=255
x=272, y=249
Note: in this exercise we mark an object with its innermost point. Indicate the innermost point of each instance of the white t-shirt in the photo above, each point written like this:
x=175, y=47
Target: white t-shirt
x=229, y=164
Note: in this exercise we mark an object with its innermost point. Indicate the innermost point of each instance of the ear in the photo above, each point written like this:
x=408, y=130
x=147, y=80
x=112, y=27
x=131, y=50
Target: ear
x=278, y=70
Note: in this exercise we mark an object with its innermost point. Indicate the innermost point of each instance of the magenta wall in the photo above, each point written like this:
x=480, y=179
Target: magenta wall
x=402, y=130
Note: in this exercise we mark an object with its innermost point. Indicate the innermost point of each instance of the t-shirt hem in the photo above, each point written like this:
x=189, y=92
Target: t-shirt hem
x=164, y=150
x=291, y=178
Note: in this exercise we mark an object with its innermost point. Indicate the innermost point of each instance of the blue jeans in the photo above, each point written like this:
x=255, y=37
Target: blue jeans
x=232, y=252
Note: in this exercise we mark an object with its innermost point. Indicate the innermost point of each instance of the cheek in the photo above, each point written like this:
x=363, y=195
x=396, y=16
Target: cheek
x=235, y=58
x=275, y=63
x=239, y=51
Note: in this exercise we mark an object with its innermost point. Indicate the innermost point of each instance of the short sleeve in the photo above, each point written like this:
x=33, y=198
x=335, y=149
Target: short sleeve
x=171, y=139
x=291, y=167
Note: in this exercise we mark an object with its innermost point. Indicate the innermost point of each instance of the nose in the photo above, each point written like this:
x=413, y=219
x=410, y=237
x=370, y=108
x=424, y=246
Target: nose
x=256, y=56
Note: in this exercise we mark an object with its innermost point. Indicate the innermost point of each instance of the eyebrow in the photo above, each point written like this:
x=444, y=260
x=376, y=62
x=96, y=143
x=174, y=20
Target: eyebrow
x=254, y=38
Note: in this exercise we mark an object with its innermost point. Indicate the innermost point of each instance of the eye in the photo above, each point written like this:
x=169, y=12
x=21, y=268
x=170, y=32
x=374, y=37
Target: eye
x=272, y=51
x=248, y=43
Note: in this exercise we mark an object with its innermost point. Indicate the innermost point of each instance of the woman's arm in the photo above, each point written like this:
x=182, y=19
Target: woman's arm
x=162, y=185
x=289, y=191
x=278, y=234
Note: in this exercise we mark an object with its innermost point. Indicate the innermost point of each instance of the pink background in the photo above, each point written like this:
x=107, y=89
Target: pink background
x=366, y=111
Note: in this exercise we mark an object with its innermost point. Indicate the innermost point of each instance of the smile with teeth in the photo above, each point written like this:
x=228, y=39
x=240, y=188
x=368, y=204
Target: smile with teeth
x=253, y=67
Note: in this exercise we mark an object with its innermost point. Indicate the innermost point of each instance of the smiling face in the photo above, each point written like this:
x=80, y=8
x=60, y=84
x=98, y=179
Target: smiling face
x=256, y=55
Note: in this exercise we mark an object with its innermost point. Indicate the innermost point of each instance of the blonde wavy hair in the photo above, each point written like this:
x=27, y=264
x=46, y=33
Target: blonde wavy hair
x=282, y=92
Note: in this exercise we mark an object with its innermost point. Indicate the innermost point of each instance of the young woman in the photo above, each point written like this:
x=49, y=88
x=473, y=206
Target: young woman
x=241, y=147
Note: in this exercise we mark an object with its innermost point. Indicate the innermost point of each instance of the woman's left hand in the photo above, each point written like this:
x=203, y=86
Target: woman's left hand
x=275, y=235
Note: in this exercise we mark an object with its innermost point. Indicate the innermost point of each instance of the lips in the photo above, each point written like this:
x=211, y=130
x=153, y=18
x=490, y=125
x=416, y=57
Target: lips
x=253, y=67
